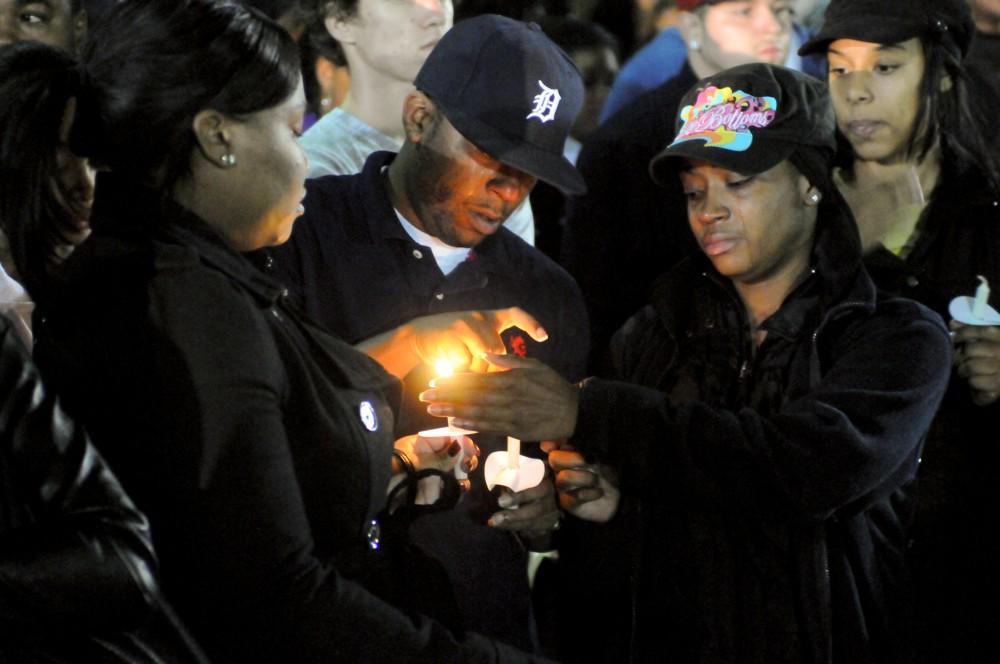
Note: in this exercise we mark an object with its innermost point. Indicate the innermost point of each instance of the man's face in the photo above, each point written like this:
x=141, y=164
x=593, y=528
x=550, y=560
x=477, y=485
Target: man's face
x=49, y=21
x=460, y=194
x=394, y=37
x=743, y=31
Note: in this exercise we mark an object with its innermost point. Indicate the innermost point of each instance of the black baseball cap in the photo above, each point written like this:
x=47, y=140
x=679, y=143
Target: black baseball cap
x=511, y=91
x=894, y=21
x=749, y=119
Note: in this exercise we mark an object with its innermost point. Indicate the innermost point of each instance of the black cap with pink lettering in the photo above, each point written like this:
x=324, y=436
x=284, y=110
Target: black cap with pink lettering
x=749, y=119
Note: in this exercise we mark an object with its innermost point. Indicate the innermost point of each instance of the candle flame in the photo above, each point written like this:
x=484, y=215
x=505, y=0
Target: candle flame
x=444, y=367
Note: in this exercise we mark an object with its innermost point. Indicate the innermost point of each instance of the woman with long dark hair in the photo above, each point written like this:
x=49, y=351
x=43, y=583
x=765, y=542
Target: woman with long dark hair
x=920, y=172
x=46, y=190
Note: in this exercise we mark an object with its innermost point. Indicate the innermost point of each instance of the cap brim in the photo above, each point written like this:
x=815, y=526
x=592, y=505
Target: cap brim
x=543, y=164
x=664, y=167
x=862, y=28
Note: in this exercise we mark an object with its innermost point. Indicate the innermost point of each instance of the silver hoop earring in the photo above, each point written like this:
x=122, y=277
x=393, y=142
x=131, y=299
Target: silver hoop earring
x=228, y=159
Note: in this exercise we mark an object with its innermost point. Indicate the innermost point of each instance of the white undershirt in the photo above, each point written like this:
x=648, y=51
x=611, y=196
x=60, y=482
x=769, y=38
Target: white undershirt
x=446, y=256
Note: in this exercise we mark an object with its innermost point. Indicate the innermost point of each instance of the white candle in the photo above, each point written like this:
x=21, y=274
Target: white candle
x=513, y=452
x=982, y=297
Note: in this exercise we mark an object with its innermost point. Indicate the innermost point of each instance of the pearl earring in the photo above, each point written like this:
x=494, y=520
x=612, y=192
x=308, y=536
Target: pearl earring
x=228, y=159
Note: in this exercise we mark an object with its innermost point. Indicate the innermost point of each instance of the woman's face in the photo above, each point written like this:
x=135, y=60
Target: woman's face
x=73, y=187
x=752, y=228
x=270, y=173
x=876, y=95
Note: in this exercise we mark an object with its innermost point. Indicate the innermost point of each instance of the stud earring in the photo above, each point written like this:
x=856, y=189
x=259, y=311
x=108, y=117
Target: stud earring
x=693, y=45
x=325, y=102
x=228, y=159
x=814, y=198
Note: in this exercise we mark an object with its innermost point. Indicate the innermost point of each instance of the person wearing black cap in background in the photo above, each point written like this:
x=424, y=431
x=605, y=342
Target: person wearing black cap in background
x=422, y=232
x=922, y=180
x=772, y=428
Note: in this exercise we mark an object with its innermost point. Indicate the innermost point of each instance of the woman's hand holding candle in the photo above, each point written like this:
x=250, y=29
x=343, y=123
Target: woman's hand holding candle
x=439, y=453
x=977, y=358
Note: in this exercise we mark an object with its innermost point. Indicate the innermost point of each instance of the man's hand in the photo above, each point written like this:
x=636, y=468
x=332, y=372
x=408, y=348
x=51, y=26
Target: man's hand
x=461, y=337
x=977, y=358
x=529, y=400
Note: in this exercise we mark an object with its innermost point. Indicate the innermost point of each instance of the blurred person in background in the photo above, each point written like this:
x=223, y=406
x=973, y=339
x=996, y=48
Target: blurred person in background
x=594, y=50
x=663, y=57
x=63, y=25
x=59, y=23
x=983, y=60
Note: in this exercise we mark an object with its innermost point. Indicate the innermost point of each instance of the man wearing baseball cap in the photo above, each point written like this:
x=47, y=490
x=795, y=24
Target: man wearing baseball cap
x=422, y=232
x=766, y=411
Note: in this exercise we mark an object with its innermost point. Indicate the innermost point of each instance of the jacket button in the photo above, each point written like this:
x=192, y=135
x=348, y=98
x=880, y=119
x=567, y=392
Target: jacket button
x=368, y=416
x=439, y=296
x=418, y=254
x=373, y=534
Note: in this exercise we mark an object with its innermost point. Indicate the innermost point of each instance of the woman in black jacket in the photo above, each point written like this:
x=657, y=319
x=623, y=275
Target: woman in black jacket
x=768, y=435
x=920, y=173
x=260, y=447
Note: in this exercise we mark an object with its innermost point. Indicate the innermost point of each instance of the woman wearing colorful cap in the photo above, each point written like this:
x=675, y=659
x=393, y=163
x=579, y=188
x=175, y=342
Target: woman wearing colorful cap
x=768, y=435
x=922, y=179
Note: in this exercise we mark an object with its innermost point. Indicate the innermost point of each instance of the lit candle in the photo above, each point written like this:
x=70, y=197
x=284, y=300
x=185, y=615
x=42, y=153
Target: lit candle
x=443, y=367
x=513, y=452
x=982, y=297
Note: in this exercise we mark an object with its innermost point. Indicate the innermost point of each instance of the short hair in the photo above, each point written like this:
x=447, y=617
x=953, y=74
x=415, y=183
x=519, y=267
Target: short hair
x=155, y=64
x=36, y=83
x=314, y=14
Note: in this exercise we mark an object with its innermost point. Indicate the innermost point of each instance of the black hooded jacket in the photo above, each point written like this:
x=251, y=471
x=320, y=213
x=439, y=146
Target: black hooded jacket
x=775, y=488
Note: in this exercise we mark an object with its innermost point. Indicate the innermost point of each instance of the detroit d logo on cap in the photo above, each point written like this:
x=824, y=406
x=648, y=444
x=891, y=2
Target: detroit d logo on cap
x=546, y=103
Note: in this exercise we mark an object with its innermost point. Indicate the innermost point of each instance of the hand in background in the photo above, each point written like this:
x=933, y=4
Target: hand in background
x=977, y=359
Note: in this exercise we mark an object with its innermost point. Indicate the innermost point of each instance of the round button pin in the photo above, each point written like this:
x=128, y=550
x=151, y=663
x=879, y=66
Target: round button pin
x=368, y=416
